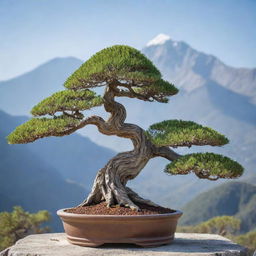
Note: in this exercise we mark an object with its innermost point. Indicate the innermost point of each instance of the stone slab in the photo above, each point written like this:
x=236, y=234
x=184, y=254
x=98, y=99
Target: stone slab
x=185, y=244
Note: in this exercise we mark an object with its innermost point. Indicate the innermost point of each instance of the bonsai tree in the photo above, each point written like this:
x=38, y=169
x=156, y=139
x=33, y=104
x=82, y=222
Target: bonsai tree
x=125, y=72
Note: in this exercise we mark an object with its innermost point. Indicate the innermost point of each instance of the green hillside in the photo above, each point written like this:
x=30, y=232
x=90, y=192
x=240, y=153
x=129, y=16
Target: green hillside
x=26, y=180
x=232, y=198
x=62, y=152
x=85, y=157
x=38, y=176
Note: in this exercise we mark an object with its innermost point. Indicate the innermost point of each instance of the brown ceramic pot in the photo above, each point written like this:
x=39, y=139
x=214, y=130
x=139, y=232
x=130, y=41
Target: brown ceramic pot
x=143, y=230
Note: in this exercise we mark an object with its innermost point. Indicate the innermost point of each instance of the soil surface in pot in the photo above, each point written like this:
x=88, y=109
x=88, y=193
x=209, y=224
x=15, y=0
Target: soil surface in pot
x=102, y=209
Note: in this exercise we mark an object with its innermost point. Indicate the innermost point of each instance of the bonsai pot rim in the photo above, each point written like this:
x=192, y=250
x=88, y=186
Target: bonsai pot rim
x=63, y=213
x=144, y=230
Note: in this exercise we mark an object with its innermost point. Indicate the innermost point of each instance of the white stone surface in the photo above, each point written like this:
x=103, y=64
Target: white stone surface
x=184, y=245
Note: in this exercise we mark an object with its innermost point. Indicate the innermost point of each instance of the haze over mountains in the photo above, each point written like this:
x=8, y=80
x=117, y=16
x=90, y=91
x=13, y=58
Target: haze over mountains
x=29, y=181
x=47, y=174
x=20, y=94
x=211, y=93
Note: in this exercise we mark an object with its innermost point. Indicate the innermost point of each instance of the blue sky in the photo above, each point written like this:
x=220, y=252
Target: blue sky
x=34, y=31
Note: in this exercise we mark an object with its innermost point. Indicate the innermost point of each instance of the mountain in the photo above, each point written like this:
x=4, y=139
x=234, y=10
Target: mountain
x=20, y=94
x=45, y=174
x=203, y=98
x=233, y=198
x=75, y=157
x=27, y=180
x=191, y=69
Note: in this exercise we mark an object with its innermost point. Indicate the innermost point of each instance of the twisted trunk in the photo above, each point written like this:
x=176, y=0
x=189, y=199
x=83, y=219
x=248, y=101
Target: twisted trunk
x=110, y=182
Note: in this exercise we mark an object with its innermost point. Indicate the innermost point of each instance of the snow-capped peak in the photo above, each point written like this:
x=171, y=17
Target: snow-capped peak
x=159, y=39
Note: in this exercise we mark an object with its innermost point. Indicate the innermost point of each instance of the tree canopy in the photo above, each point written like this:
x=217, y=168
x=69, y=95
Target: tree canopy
x=221, y=225
x=176, y=133
x=19, y=223
x=248, y=240
x=205, y=166
x=118, y=62
x=37, y=128
x=179, y=133
x=227, y=226
x=67, y=100
x=126, y=68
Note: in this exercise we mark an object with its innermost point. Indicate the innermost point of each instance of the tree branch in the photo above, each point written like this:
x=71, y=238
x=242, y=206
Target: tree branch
x=102, y=126
x=131, y=93
x=205, y=176
x=166, y=152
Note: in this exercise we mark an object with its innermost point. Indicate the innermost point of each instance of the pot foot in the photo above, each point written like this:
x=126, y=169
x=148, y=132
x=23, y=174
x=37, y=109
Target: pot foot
x=83, y=242
x=155, y=242
x=142, y=243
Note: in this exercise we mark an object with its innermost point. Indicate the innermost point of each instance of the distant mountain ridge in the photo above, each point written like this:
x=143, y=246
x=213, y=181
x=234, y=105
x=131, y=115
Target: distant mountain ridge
x=75, y=157
x=20, y=94
x=233, y=198
x=46, y=174
x=190, y=69
x=27, y=180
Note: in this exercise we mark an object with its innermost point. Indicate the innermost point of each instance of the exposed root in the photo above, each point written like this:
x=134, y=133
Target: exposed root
x=95, y=195
x=113, y=195
x=137, y=199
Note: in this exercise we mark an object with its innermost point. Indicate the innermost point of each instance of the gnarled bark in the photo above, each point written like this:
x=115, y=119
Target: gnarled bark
x=110, y=182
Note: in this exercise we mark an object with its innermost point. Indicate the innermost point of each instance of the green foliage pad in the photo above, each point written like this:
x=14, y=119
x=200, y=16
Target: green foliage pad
x=205, y=166
x=176, y=133
x=117, y=62
x=126, y=67
x=41, y=127
x=159, y=90
x=67, y=100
